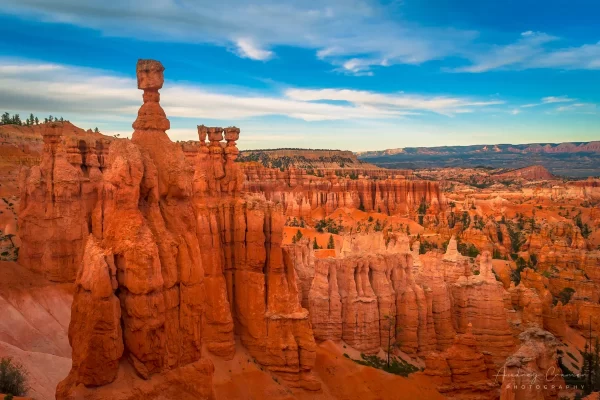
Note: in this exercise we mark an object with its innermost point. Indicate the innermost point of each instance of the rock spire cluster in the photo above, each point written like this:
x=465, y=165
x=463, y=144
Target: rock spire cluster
x=179, y=258
x=174, y=257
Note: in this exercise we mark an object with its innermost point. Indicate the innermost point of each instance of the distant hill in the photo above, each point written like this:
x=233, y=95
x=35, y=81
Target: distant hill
x=535, y=172
x=305, y=158
x=379, y=153
x=574, y=159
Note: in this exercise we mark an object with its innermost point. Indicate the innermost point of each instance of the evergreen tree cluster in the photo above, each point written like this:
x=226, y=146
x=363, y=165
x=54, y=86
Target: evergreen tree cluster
x=329, y=225
x=15, y=119
x=297, y=237
x=7, y=119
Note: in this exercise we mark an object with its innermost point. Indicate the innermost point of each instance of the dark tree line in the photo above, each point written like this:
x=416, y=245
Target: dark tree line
x=15, y=119
x=7, y=119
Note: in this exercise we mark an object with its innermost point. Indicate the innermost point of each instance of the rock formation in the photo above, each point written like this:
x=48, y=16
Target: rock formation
x=461, y=371
x=53, y=217
x=177, y=259
x=354, y=296
x=532, y=372
x=338, y=160
x=479, y=300
x=301, y=193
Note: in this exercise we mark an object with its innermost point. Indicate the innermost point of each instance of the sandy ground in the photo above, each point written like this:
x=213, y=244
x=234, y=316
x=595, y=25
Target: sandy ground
x=340, y=378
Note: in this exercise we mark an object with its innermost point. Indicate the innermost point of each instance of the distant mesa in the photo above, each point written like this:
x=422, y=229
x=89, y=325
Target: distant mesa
x=535, y=172
x=577, y=159
x=304, y=158
x=548, y=148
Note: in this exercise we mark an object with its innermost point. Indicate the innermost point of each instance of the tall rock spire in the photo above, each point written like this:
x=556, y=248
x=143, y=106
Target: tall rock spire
x=150, y=79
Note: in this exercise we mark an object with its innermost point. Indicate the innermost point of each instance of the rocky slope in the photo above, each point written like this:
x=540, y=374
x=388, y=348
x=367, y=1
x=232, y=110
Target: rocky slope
x=34, y=320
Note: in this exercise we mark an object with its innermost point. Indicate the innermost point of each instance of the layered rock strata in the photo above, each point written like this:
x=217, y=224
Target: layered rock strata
x=368, y=299
x=55, y=210
x=301, y=193
x=178, y=259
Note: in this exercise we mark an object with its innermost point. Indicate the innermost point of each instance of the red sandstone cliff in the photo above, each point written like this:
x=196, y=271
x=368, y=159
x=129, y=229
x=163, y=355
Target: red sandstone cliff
x=173, y=260
x=301, y=194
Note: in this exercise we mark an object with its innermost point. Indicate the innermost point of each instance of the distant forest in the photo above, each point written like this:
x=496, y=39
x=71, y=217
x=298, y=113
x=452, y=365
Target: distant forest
x=15, y=119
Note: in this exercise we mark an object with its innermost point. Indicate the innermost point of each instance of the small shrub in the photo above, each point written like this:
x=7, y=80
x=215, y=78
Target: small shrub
x=565, y=295
x=13, y=378
x=397, y=365
x=547, y=274
x=378, y=227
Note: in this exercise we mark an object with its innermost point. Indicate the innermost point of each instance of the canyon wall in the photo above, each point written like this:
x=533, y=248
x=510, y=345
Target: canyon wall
x=354, y=297
x=301, y=194
x=465, y=325
x=165, y=260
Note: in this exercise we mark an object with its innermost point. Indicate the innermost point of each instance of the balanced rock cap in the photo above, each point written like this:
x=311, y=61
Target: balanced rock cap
x=150, y=74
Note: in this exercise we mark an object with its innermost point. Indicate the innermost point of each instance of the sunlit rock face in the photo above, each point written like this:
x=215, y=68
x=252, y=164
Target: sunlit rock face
x=301, y=193
x=178, y=257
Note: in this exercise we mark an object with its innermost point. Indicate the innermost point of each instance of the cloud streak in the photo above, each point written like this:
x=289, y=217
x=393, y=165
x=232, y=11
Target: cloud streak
x=532, y=50
x=355, y=36
x=549, y=100
x=248, y=49
x=352, y=35
x=68, y=90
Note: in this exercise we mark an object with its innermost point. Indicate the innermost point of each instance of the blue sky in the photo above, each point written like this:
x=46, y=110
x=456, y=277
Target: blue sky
x=348, y=74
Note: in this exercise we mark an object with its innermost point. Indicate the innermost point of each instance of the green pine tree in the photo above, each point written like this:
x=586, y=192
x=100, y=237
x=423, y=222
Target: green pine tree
x=331, y=243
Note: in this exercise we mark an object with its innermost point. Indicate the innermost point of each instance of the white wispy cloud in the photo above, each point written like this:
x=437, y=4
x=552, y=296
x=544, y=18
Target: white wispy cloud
x=549, y=100
x=556, y=99
x=532, y=50
x=248, y=49
x=88, y=93
x=438, y=104
x=352, y=35
x=355, y=36
x=584, y=108
x=527, y=47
